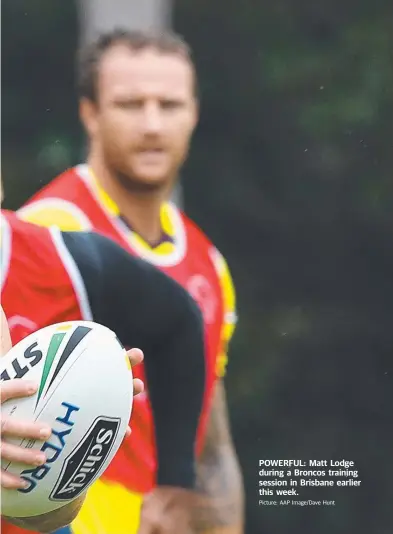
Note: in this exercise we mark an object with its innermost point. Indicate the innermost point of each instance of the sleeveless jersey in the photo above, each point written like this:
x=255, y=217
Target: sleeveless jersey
x=31, y=301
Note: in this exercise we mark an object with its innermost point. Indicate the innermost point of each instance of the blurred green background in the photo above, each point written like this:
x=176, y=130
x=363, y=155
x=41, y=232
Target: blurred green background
x=291, y=175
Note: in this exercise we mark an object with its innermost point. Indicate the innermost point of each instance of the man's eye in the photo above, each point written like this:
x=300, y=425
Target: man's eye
x=170, y=104
x=131, y=104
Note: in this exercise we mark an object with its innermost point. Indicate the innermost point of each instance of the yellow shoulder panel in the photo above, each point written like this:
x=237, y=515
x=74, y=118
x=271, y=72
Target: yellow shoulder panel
x=55, y=212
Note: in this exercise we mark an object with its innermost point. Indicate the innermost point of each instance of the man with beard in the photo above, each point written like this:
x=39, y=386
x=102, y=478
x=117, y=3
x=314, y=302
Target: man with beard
x=139, y=107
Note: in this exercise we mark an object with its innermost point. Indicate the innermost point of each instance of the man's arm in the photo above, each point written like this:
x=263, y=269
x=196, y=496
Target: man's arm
x=219, y=508
x=149, y=310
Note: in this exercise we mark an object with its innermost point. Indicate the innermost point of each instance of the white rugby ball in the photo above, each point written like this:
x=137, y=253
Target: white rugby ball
x=85, y=395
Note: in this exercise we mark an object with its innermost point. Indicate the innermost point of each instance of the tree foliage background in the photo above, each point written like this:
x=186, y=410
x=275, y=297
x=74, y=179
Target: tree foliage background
x=291, y=176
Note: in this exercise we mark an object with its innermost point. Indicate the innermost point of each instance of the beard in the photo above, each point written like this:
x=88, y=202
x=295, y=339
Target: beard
x=136, y=185
x=130, y=180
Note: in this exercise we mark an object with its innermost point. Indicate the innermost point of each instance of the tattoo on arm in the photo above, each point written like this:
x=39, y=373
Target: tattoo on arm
x=219, y=506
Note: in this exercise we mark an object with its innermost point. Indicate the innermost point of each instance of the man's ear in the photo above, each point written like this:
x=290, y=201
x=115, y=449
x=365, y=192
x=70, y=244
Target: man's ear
x=88, y=116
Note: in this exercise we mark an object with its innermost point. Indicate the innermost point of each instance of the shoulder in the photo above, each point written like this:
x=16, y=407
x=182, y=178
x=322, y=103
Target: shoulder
x=32, y=246
x=54, y=211
x=54, y=206
x=198, y=235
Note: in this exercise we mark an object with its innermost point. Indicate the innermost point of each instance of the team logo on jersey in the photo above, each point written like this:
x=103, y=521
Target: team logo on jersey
x=84, y=464
x=201, y=290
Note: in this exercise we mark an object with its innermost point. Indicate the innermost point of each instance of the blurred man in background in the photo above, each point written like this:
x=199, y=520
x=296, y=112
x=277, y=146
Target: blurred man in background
x=138, y=104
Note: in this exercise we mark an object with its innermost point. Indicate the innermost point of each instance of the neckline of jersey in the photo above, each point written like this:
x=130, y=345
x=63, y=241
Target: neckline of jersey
x=172, y=242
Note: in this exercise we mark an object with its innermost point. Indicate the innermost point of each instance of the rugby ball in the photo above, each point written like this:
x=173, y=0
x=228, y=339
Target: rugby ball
x=85, y=394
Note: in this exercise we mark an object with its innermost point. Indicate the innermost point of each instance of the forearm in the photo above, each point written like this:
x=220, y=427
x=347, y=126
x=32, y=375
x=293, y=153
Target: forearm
x=219, y=505
x=51, y=521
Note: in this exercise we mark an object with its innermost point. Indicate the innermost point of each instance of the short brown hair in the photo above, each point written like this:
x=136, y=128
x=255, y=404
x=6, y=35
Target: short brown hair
x=89, y=57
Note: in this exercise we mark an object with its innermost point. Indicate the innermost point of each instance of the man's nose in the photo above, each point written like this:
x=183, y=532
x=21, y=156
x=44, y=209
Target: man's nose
x=152, y=118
